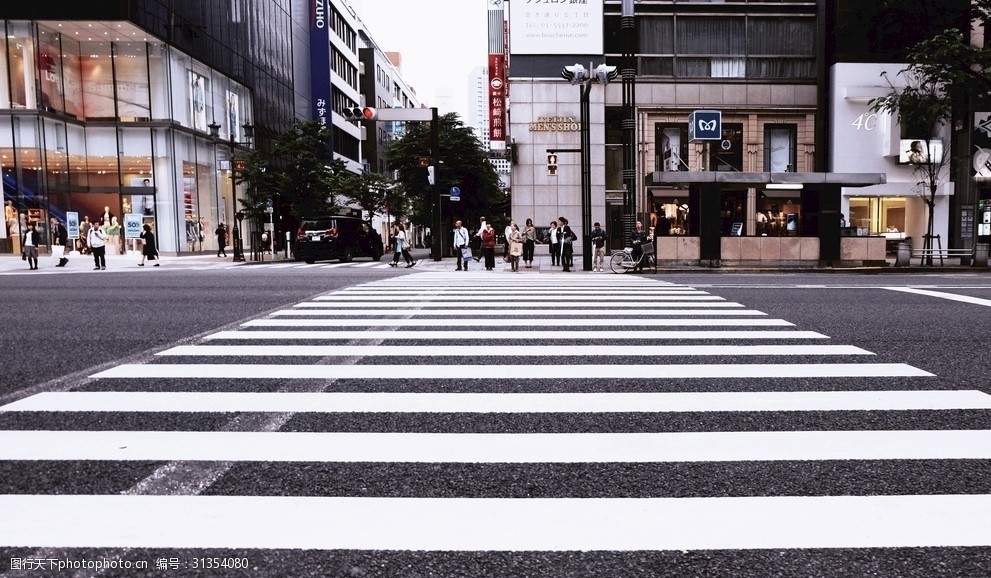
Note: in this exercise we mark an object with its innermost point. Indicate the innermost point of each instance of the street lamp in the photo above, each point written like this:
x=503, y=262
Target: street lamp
x=578, y=75
x=249, y=135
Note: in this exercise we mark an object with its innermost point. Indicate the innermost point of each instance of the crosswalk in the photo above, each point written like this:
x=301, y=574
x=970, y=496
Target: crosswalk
x=439, y=414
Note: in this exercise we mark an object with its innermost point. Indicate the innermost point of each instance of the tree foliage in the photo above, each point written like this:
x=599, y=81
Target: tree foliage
x=301, y=174
x=463, y=163
x=923, y=107
x=368, y=190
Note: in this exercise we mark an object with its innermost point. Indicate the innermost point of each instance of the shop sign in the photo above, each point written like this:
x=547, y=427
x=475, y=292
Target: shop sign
x=555, y=124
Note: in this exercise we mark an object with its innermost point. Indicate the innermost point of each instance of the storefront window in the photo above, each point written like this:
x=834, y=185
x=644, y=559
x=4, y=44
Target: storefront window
x=779, y=213
x=671, y=146
x=20, y=61
x=876, y=215
x=733, y=213
x=727, y=154
x=669, y=214
x=779, y=148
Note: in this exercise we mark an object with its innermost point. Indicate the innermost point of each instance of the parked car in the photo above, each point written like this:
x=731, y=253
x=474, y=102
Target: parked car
x=336, y=237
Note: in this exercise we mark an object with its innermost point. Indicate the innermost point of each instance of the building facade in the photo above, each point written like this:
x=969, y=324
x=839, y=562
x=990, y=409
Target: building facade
x=774, y=187
x=108, y=113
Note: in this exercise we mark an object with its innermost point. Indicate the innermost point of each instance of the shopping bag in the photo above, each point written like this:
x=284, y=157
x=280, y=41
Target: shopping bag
x=466, y=253
x=516, y=249
x=58, y=251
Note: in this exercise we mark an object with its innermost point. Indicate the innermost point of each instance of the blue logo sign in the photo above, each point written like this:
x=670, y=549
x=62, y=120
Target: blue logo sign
x=705, y=125
x=455, y=194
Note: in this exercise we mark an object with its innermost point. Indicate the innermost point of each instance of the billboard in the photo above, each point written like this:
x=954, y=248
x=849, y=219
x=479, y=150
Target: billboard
x=556, y=28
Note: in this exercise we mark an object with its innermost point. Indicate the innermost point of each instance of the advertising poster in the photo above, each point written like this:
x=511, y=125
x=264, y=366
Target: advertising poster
x=557, y=27
x=132, y=226
x=72, y=224
x=197, y=100
x=233, y=117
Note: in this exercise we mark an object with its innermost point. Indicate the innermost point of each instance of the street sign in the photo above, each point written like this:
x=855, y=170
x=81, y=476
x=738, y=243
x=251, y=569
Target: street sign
x=455, y=194
x=705, y=125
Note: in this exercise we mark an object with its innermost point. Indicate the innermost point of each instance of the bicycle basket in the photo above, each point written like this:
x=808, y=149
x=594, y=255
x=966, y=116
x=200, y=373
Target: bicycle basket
x=647, y=248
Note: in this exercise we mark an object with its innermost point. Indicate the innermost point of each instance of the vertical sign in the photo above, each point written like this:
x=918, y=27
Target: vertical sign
x=320, y=87
x=132, y=226
x=72, y=224
x=497, y=102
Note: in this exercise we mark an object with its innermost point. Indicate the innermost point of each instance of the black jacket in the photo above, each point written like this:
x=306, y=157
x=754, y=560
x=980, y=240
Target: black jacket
x=60, y=235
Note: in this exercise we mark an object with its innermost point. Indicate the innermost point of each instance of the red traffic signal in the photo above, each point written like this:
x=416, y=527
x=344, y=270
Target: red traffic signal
x=359, y=113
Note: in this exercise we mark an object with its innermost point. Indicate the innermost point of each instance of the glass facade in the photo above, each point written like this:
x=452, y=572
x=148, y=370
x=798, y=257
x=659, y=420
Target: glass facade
x=103, y=120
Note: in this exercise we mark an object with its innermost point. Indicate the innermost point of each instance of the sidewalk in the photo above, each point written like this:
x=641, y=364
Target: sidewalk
x=115, y=262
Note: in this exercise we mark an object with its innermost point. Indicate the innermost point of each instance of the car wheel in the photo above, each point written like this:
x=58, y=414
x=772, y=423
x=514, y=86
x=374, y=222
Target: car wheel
x=310, y=261
x=348, y=255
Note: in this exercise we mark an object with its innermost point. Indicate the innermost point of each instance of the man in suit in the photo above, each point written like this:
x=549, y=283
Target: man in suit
x=60, y=236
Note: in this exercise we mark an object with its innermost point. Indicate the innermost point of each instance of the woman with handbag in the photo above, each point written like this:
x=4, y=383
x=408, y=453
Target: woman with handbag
x=29, y=246
x=515, y=247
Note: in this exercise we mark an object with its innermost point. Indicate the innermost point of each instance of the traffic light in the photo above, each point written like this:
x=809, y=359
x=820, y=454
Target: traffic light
x=359, y=113
x=430, y=175
x=552, y=164
x=575, y=74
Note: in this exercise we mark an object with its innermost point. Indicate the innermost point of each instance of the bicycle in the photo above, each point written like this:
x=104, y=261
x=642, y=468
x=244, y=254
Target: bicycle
x=623, y=261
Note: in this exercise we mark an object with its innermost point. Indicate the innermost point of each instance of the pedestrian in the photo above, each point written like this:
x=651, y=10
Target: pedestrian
x=637, y=238
x=60, y=237
x=553, y=244
x=566, y=238
x=515, y=247
x=461, y=249
x=221, y=233
x=97, y=241
x=84, y=229
x=400, y=246
x=598, y=246
x=150, y=247
x=506, y=234
x=488, y=246
x=529, y=243
x=29, y=246
x=478, y=236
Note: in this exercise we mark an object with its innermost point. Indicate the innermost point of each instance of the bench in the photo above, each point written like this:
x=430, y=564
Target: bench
x=941, y=254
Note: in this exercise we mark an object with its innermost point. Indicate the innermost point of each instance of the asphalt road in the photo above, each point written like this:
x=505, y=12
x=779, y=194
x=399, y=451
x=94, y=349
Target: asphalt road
x=64, y=328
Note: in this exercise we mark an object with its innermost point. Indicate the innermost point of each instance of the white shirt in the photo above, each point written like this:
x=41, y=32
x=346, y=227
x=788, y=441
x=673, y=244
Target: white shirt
x=96, y=237
x=460, y=237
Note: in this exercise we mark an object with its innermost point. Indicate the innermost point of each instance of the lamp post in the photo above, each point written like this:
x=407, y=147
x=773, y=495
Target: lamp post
x=578, y=75
x=249, y=134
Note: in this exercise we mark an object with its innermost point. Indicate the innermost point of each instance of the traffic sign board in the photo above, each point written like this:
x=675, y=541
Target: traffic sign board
x=455, y=194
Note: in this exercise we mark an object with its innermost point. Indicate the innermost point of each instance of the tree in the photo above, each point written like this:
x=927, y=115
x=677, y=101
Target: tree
x=301, y=173
x=950, y=61
x=369, y=191
x=921, y=105
x=463, y=163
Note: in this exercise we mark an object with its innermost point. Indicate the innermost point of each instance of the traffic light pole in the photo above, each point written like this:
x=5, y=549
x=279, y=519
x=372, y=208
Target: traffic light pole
x=436, y=233
x=586, y=143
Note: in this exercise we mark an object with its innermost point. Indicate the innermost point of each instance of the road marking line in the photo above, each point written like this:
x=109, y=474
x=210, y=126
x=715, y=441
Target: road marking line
x=633, y=312
x=458, y=323
x=384, y=402
x=941, y=295
x=495, y=524
x=464, y=304
x=522, y=372
x=525, y=336
x=591, y=351
x=495, y=448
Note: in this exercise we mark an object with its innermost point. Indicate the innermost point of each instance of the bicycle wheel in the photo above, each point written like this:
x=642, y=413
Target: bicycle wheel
x=620, y=263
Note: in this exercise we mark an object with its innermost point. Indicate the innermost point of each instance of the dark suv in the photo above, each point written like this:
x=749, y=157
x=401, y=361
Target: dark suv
x=336, y=237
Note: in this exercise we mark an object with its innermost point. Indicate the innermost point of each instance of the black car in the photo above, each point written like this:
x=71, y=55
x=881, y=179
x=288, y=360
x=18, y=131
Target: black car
x=336, y=237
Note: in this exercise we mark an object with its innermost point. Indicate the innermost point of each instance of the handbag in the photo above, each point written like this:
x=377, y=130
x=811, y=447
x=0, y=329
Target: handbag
x=515, y=249
x=58, y=251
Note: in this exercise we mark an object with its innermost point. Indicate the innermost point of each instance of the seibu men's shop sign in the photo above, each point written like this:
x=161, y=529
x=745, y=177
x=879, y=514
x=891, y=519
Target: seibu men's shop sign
x=555, y=124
